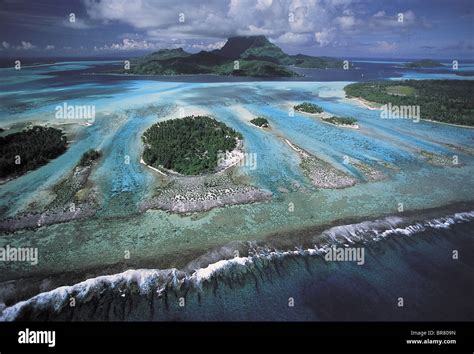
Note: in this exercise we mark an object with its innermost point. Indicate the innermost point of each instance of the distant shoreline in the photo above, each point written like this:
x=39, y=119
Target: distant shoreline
x=370, y=105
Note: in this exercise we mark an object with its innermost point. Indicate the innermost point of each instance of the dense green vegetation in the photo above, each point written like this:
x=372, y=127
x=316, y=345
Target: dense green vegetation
x=341, y=120
x=189, y=145
x=401, y=90
x=88, y=157
x=255, y=68
x=449, y=101
x=30, y=149
x=425, y=63
x=260, y=48
x=256, y=56
x=260, y=122
x=308, y=108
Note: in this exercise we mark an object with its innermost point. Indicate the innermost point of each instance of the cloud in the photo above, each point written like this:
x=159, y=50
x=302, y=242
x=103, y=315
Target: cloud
x=294, y=38
x=346, y=22
x=384, y=47
x=139, y=14
x=26, y=46
x=77, y=24
x=285, y=21
x=379, y=14
x=256, y=31
x=208, y=47
x=324, y=37
x=129, y=44
x=459, y=46
x=334, y=24
x=382, y=21
x=263, y=4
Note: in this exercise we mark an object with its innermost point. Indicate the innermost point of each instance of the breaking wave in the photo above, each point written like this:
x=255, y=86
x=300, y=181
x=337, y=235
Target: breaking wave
x=232, y=262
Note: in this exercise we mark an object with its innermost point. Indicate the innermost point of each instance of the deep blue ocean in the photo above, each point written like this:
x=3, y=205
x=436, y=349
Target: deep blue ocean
x=409, y=273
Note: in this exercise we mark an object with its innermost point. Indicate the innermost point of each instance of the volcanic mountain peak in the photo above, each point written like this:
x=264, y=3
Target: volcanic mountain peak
x=235, y=47
x=257, y=56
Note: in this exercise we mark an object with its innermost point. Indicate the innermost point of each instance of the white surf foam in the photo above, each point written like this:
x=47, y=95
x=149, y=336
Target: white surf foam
x=148, y=279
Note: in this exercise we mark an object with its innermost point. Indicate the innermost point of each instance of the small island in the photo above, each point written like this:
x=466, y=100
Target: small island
x=89, y=157
x=314, y=109
x=189, y=146
x=195, y=158
x=30, y=149
x=260, y=122
x=307, y=107
x=424, y=63
x=342, y=121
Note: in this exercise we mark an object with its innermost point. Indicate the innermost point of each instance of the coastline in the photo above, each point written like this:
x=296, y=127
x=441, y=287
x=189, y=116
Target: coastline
x=350, y=126
x=451, y=124
x=326, y=176
x=201, y=193
x=182, y=238
x=324, y=116
x=374, y=106
x=151, y=167
x=203, y=266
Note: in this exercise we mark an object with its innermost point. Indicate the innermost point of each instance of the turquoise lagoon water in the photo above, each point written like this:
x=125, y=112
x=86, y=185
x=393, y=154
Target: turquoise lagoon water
x=414, y=75
x=127, y=106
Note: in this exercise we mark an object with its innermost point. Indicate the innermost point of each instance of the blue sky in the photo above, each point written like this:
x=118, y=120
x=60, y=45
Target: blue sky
x=341, y=28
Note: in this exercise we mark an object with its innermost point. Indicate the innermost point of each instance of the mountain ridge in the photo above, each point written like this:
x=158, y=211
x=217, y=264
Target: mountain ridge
x=240, y=56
